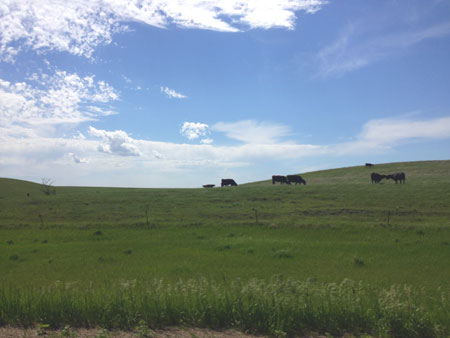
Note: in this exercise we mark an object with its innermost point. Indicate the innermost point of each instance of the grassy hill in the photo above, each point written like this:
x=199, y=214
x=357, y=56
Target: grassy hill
x=337, y=227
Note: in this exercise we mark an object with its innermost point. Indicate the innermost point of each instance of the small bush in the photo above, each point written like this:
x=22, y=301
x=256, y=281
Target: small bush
x=283, y=254
x=358, y=261
x=14, y=257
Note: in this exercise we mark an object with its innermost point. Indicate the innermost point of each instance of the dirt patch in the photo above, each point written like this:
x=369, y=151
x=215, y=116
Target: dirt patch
x=10, y=332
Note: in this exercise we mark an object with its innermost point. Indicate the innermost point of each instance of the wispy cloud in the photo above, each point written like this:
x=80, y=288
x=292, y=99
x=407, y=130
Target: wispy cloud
x=250, y=131
x=78, y=27
x=355, y=48
x=194, y=130
x=384, y=134
x=172, y=93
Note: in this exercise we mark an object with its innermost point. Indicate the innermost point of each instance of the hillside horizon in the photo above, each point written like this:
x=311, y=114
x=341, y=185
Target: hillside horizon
x=311, y=174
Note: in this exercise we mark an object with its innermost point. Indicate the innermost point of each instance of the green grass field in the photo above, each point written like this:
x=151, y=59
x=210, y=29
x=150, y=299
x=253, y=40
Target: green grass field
x=338, y=227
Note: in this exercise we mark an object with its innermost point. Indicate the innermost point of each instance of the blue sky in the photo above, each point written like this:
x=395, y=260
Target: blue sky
x=183, y=93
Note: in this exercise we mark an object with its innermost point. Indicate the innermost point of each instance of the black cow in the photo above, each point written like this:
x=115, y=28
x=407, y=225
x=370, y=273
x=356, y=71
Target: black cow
x=279, y=178
x=376, y=178
x=369, y=165
x=295, y=179
x=227, y=182
x=208, y=185
x=397, y=177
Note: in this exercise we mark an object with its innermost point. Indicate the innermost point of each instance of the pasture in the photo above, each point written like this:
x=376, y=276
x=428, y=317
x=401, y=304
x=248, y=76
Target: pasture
x=341, y=237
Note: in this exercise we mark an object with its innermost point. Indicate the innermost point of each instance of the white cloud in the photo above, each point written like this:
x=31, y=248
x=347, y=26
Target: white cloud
x=206, y=141
x=250, y=131
x=59, y=98
x=355, y=48
x=384, y=134
x=193, y=130
x=77, y=159
x=115, y=142
x=78, y=27
x=150, y=163
x=157, y=154
x=172, y=93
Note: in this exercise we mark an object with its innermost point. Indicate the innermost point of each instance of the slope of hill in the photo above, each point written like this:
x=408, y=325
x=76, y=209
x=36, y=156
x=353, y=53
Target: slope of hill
x=338, y=227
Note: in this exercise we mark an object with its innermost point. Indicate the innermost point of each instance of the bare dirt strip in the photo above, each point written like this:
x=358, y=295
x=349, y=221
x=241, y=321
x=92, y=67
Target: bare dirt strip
x=11, y=332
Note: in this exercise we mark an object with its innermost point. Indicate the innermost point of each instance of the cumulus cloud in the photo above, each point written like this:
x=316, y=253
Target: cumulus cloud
x=172, y=93
x=250, y=131
x=78, y=27
x=157, y=154
x=77, y=159
x=58, y=98
x=193, y=130
x=115, y=142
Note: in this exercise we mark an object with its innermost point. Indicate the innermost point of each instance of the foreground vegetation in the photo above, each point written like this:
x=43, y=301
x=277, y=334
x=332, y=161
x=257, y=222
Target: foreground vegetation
x=278, y=307
x=337, y=255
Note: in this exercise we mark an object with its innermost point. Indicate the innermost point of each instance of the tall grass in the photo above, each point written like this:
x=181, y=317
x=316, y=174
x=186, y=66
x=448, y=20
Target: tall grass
x=278, y=307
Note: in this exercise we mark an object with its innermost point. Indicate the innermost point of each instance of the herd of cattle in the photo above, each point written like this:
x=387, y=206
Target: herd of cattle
x=275, y=178
x=288, y=179
x=397, y=177
x=297, y=179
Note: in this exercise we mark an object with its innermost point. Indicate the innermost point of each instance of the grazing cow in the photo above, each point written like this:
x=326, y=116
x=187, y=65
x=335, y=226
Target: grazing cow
x=369, y=165
x=376, y=178
x=279, y=178
x=398, y=177
x=295, y=179
x=227, y=182
x=208, y=185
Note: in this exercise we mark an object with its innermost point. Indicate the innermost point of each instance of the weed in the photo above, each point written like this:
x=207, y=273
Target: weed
x=143, y=331
x=357, y=261
x=224, y=247
x=420, y=232
x=128, y=252
x=104, y=333
x=283, y=254
x=66, y=332
x=10, y=242
x=41, y=329
x=14, y=257
x=45, y=241
x=98, y=233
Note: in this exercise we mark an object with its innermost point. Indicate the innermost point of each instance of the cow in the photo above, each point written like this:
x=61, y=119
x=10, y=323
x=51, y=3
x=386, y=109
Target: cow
x=369, y=165
x=208, y=185
x=279, y=178
x=376, y=178
x=397, y=177
x=295, y=179
x=227, y=182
